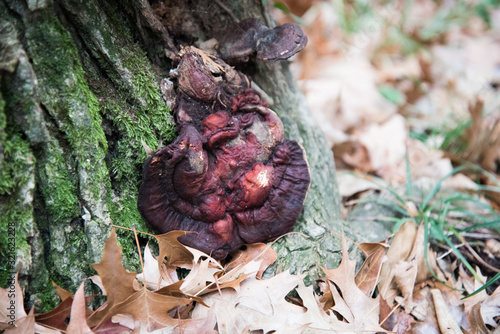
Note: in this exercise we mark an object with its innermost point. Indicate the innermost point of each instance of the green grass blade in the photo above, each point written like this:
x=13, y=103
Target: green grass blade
x=485, y=286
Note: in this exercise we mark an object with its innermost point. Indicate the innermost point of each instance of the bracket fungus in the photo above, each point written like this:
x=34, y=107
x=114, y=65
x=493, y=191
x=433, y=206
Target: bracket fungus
x=251, y=37
x=230, y=176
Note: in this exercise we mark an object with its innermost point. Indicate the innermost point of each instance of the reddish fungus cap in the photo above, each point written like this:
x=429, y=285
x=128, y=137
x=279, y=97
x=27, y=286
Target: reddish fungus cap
x=230, y=176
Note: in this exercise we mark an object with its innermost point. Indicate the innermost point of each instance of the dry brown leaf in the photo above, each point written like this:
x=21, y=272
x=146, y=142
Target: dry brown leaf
x=197, y=279
x=151, y=276
x=315, y=317
x=39, y=329
x=368, y=275
x=446, y=323
x=24, y=325
x=118, y=282
x=404, y=322
x=351, y=183
x=56, y=318
x=385, y=144
x=418, y=253
x=326, y=296
x=125, y=320
x=340, y=307
x=423, y=312
x=483, y=137
x=204, y=325
x=490, y=308
x=111, y=327
x=399, y=250
x=493, y=246
x=476, y=322
x=405, y=274
x=364, y=311
x=78, y=320
x=426, y=163
x=234, y=283
x=150, y=309
x=353, y=154
x=62, y=293
x=406, y=265
x=12, y=302
x=260, y=304
x=96, y=279
x=471, y=284
x=254, y=259
x=175, y=252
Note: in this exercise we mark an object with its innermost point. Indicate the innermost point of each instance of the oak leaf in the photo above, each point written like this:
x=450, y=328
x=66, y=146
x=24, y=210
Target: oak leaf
x=150, y=309
x=151, y=276
x=368, y=275
x=118, y=282
x=78, y=319
x=360, y=311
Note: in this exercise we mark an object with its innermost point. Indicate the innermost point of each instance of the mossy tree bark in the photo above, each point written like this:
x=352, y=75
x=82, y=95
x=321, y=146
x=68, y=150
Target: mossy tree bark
x=80, y=93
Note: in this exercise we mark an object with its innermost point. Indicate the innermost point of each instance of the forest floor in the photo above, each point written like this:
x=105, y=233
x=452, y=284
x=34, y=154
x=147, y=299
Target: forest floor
x=407, y=94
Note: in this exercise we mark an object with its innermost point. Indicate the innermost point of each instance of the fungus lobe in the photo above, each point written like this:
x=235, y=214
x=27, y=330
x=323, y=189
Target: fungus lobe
x=230, y=176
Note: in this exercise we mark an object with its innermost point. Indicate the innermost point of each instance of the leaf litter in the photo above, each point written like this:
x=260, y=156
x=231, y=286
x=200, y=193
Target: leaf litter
x=391, y=292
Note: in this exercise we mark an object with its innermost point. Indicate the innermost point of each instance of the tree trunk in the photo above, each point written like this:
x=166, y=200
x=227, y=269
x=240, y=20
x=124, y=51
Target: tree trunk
x=80, y=93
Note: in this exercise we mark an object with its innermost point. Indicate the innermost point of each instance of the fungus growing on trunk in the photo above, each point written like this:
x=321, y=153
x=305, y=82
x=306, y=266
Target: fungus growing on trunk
x=230, y=176
x=251, y=37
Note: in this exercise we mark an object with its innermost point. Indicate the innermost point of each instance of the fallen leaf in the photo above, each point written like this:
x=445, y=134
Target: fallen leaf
x=96, y=279
x=150, y=309
x=399, y=250
x=118, y=282
x=253, y=260
x=385, y=143
x=471, y=284
x=78, y=320
x=176, y=253
x=56, y=318
x=12, y=301
x=364, y=311
x=204, y=325
x=197, y=279
x=490, y=308
x=446, y=323
x=62, y=293
x=259, y=305
x=151, y=276
x=368, y=275
x=476, y=322
x=404, y=322
x=23, y=325
x=493, y=246
x=351, y=183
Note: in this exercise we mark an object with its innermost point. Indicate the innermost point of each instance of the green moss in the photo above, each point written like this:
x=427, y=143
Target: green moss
x=134, y=107
x=16, y=189
x=56, y=63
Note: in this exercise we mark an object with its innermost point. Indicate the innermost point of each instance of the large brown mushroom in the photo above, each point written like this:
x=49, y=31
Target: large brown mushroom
x=230, y=176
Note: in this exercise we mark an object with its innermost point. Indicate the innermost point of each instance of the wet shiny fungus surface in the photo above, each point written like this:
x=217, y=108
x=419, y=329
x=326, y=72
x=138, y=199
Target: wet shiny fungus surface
x=230, y=176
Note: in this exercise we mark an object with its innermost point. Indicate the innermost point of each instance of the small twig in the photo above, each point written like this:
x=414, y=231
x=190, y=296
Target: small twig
x=480, y=235
x=477, y=257
x=140, y=253
x=126, y=228
x=448, y=252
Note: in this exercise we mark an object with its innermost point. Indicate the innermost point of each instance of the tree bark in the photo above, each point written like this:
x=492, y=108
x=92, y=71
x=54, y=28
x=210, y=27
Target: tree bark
x=80, y=94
